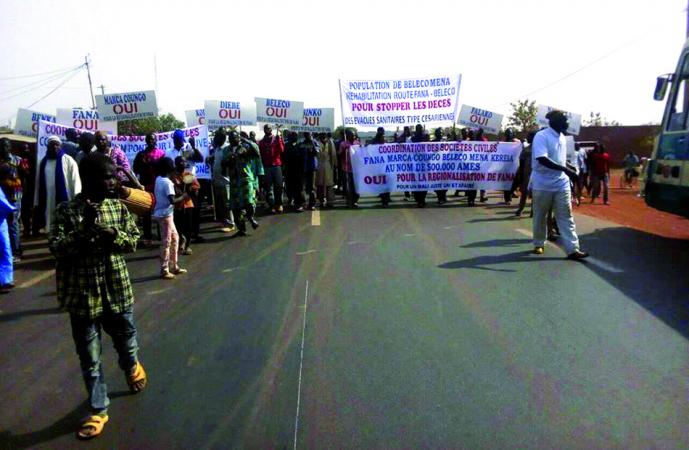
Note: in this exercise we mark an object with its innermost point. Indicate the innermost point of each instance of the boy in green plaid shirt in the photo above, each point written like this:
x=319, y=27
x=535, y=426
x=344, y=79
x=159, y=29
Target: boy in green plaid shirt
x=88, y=237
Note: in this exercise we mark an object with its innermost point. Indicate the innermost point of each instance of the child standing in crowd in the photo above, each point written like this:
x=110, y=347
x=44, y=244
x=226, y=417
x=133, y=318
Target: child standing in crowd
x=185, y=183
x=163, y=213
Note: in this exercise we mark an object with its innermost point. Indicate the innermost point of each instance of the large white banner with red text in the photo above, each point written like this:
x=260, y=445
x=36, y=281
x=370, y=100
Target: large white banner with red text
x=429, y=166
x=399, y=102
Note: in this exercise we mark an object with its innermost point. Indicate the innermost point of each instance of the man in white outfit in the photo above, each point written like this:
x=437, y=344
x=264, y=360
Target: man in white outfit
x=57, y=181
x=550, y=185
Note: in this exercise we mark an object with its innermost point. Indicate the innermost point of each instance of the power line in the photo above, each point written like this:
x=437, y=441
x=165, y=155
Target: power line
x=65, y=69
x=43, y=83
x=591, y=63
x=56, y=88
x=40, y=82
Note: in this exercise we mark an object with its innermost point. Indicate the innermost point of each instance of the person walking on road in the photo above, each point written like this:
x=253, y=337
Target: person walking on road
x=325, y=177
x=240, y=164
x=163, y=213
x=89, y=237
x=600, y=174
x=346, y=164
x=550, y=185
x=146, y=167
x=57, y=181
x=272, y=148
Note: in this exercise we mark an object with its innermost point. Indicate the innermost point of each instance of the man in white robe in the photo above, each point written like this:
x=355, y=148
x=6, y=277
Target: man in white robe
x=53, y=187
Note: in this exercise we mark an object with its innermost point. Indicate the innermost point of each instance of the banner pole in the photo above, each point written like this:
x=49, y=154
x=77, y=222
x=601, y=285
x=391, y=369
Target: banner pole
x=459, y=86
x=344, y=127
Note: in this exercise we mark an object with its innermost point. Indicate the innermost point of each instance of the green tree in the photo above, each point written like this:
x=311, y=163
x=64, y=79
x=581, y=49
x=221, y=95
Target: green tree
x=597, y=120
x=338, y=133
x=523, y=117
x=140, y=127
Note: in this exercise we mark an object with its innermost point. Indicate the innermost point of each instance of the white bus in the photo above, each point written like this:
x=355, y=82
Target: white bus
x=667, y=176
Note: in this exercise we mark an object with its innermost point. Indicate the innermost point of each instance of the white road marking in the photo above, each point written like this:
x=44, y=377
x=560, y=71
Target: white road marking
x=306, y=252
x=410, y=235
x=316, y=218
x=524, y=232
x=603, y=265
x=228, y=270
x=37, y=279
x=301, y=366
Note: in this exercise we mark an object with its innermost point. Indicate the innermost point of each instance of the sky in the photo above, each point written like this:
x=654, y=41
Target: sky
x=299, y=49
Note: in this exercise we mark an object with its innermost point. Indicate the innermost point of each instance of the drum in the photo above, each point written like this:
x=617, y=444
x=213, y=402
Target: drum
x=137, y=201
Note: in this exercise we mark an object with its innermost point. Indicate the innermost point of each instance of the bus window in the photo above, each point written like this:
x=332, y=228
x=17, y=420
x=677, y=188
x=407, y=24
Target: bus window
x=680, y=102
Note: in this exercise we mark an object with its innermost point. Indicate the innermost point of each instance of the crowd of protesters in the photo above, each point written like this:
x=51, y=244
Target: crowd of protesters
x=75, y=190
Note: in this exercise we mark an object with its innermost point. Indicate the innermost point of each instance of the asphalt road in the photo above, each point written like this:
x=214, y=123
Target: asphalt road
x=374, y=328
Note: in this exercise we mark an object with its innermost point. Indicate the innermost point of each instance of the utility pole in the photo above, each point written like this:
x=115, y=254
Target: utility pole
x=102, y=89
x=88, y=71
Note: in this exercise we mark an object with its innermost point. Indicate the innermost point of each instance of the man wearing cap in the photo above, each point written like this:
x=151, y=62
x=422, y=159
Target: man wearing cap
x=57, y=180
x=550, y=186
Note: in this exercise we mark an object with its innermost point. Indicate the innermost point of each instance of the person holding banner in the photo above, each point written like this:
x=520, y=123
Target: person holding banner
x=420, y=135
x=346, y=163
x=272, y=148
x=89, y=237
x=57, y=181
x=401, y=139
x=441, y=194
x=379, y=139
x=550, y=184
x=239, y=163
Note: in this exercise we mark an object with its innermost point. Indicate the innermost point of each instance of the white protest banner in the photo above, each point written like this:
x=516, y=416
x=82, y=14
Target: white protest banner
x=134, y=144
x=85, y=119
x=431, y=166
x=46, y=129
x=131, y=145
x=317, y=120
x=195, y=117
x=279, y=112
x=223, y=113
x=375, y=103
x=127, y=105
x=574, y=119
x=473, y=117
x=27, y=122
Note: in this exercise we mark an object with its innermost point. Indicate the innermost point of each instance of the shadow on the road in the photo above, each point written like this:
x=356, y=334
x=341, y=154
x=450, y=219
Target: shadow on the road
x=142, y=257
x=145, y=279
x=8, y=317
x=66, y=425
x=482, y=262
x=499, y=243
x=649, y=269
x=652, y=271
x=494, y=219
x=38, y=266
